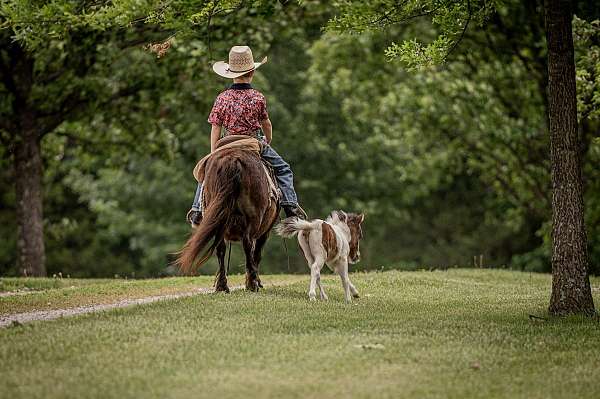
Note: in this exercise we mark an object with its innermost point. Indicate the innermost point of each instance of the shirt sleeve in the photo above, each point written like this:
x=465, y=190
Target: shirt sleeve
x=216, y=117
x=262, y=110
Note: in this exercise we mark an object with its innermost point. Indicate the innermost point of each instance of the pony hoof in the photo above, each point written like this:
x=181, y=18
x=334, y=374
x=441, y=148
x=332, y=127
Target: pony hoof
x=355, y=296
x=221, y=288
x=253, y=287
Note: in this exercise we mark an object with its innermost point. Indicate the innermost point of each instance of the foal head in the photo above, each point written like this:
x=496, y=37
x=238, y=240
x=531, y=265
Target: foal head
x=353, y=221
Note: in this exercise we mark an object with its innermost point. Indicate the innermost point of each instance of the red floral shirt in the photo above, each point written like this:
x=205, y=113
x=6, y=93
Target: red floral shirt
x=239, y=109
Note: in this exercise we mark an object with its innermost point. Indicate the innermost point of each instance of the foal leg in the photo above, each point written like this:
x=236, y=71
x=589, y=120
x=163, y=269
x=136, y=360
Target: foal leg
x=221, y=277
x=315, y=274
x=342, y=269
x=353, y=289
x=321, y=290
x=305, y=246
x=251, y=272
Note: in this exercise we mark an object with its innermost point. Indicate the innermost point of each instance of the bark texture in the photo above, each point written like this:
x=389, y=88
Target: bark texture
x=28, y=184
x=571, y=292
x=25, y=131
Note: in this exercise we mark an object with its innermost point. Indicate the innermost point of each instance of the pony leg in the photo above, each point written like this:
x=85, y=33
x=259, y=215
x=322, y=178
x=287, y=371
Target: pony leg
x=221, y=277
x=260, y=243
x=251, y=272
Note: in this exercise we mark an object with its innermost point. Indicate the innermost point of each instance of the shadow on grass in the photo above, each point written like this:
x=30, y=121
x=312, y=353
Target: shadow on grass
x=281, y=292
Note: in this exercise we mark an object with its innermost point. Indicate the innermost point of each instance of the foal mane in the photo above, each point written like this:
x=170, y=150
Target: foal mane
x=337, y=218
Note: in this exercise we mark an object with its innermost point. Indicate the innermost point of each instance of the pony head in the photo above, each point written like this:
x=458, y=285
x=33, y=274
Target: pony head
x=354, y=222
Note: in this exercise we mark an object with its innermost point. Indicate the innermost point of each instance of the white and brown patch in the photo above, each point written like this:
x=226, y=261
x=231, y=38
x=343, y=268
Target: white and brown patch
x=329, y=241
x=334, y=242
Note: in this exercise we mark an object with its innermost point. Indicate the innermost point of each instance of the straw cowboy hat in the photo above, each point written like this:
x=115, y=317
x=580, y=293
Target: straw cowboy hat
x=240, y=63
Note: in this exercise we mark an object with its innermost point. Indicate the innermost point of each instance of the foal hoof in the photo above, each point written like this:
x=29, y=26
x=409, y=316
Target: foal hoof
x=355, y=295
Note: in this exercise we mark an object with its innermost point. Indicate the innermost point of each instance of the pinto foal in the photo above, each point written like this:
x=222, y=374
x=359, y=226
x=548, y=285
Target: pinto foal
x=334, y=241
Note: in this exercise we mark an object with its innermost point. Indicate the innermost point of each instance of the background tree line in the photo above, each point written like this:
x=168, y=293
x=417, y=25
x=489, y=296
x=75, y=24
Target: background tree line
x=448, y=161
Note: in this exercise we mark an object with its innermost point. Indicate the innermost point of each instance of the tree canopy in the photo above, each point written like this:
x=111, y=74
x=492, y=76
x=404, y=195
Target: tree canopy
x=430, y=118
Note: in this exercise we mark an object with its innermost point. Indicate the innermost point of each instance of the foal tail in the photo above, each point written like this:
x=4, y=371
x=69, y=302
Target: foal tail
x=215, y=218
x=290, y=226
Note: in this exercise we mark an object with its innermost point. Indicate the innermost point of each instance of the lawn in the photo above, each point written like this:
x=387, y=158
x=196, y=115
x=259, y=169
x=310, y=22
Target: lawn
x=48, y=294
x=13, y=284
x=456, y=333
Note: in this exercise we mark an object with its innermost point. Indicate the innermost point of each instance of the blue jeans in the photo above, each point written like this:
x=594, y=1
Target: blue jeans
x=283, y=175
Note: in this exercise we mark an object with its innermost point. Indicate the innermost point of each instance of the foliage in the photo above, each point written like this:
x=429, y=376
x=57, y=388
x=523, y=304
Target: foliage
x=415, y=153
x=102, y=103
x=587, y=40
x=444, y=146
x=498, y=126
x=452, y=18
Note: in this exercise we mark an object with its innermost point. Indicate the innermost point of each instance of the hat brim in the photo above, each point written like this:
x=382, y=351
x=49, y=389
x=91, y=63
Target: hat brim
x=221, y=68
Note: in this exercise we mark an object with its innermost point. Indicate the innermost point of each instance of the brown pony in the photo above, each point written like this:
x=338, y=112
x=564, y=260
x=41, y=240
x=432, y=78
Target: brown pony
x=238, y=207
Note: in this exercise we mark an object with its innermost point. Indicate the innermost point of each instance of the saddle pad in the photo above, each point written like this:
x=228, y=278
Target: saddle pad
x=246, y=143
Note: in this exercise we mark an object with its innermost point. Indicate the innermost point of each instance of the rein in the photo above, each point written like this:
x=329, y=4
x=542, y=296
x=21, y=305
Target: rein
x=228, y=260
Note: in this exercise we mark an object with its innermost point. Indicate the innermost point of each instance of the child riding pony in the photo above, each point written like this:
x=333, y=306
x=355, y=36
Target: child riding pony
x=242, y=110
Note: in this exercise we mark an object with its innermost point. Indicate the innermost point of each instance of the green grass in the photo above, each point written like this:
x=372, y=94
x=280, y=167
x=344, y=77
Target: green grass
x=10, y=284
x=91, y=292
x=458, y=334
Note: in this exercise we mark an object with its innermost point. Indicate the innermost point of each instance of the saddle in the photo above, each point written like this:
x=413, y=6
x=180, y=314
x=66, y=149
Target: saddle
x=245, y=143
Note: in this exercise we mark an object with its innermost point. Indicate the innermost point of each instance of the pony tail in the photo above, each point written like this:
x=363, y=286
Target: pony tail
x=215, y=218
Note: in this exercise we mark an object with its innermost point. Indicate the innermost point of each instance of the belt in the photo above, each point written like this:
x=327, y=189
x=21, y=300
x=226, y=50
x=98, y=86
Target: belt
x=257, y=134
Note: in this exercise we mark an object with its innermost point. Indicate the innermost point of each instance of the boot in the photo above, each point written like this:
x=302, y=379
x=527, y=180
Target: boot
x=194, y=217
x=294, y=211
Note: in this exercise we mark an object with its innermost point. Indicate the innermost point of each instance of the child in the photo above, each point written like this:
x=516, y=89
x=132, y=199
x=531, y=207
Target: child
x=243, y=110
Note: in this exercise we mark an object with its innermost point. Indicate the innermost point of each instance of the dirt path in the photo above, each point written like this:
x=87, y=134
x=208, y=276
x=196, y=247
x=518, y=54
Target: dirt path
x=16, y=293
x=20, y=318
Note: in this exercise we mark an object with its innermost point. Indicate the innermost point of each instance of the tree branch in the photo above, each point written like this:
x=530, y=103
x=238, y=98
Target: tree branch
x=99, y=143
x=506, y=185
x=462, y=34
x=74, y=103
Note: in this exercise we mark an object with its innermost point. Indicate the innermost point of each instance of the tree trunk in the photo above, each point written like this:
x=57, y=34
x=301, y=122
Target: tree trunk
x=28, y=176
x=571, y=291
